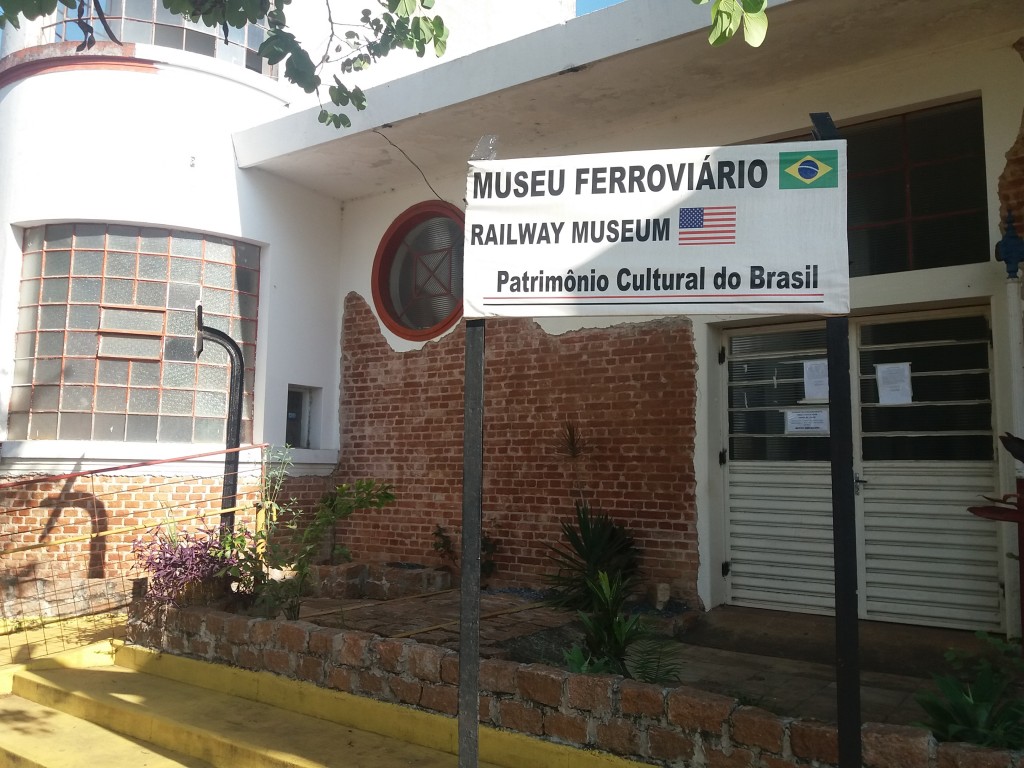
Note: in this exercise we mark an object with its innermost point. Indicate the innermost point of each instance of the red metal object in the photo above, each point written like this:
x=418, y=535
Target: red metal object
x=1008, y=514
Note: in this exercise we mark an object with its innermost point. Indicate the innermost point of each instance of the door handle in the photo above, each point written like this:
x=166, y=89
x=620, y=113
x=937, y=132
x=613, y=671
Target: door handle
x=857, y=483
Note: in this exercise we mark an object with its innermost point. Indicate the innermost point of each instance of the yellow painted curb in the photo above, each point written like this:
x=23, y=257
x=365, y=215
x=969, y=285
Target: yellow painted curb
x=425, y=729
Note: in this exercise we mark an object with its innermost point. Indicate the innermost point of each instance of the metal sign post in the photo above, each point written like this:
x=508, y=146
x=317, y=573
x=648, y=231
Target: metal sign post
x=844, y=530
x=472, y=525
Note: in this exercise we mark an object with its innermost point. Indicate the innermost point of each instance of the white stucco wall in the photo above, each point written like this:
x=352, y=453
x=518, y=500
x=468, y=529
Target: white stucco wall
x=154, y=148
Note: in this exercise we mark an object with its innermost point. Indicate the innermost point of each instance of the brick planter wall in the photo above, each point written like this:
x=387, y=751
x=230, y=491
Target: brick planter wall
x=631, y=389
x=663, y=726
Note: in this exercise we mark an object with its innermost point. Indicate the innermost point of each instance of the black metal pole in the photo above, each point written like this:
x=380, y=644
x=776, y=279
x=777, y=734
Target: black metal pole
x=844, y=546
x=472, y=513
x=472, y=524
x=844, y=525
x=229, y=494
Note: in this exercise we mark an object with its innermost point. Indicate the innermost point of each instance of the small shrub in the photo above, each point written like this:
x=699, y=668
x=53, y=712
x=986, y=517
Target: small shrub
x=595, y=544
x=183, y=567
x=578, y=660
x=444, y=545
x=978, y=702
x=608, y=631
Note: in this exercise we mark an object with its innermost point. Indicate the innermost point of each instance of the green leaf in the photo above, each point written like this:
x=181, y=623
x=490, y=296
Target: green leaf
x=427, y=4
x=403, y=8
x=726, y=18
x=755, y=28
x=754, y=6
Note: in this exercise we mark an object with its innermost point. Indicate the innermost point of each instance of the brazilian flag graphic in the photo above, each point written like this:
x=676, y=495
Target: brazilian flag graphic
x=804, y=170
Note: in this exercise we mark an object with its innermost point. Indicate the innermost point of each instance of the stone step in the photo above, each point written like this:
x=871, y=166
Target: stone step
x=211, y=726
x=36, y=736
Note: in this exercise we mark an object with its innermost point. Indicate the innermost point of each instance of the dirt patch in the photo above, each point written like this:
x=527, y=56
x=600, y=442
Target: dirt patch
x=546, y=646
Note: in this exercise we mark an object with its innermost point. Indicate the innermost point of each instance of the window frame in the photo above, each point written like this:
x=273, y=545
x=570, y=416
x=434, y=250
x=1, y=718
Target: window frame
x=383, y=261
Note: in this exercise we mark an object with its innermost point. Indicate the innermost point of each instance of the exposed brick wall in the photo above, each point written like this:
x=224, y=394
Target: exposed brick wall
x=630, y=388
x=1011, y=180
x=52, y=580
x=678, y=726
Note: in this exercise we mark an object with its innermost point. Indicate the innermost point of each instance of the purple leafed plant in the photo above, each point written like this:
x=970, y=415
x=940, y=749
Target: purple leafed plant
x=182, y=566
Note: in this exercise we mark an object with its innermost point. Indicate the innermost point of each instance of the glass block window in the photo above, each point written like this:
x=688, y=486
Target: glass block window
x=147, y=21
x=106, y=328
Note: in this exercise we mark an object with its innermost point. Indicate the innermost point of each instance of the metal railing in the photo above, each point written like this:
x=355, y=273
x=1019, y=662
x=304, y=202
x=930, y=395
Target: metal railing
x=66, y=562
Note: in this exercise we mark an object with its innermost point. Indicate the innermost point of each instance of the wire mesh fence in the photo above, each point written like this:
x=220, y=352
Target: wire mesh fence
x=68, y=571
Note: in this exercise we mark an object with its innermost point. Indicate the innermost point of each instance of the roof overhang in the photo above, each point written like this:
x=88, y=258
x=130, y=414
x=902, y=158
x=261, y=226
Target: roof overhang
x=569, y=85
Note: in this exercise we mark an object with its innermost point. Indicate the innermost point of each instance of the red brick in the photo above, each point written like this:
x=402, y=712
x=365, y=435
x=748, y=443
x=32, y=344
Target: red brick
x=618, y=736
x=310, y=669
x=280, y=662
x=225, y=651
x=424, y=662
x=236, y=629
x=372, y=683
x=246, y=658
x=641, y=699
x=895, y=746
x=343, y=680
x=488, y=709
x=199, y=648
x=757, y=728
x=352, y=649
x=321, y=642
x=390, y=654
x=215, y=623
x=192, y=620
x=498, y=676
x=517, y=716
x=736, y=757
x=970, y=756
x=450, y=669
x=592, y=693
x=261, y=631
x=293, y=636
x=540, y=684
x=669, y=744
x=406, y=691
x=812, y=740
x=568, y=728
x=693, y=709
x=440, y=698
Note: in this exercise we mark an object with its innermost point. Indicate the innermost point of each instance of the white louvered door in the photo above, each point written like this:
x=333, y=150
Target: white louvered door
x=923, y=558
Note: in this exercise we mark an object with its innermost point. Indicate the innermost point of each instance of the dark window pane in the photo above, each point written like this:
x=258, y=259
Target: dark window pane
x=951, y=240
x=199, y=42
x=878, y=250
x=902, y=448
x=779, y=449
x=876, y=198
x=169, y=37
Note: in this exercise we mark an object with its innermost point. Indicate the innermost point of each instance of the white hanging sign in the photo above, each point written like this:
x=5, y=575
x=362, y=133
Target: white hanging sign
x=807, y=421
x=894, y=387
x=815, y=381
x=754, y=229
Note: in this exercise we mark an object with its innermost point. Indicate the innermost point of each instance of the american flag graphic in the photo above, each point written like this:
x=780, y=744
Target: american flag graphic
x=711, y=225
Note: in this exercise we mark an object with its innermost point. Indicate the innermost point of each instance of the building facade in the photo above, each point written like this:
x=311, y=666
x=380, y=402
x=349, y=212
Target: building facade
x=336, y=262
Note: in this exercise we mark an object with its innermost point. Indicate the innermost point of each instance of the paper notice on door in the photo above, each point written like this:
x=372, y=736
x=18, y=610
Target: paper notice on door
x=815, y=381
x=894, y=386
x=807, y=421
